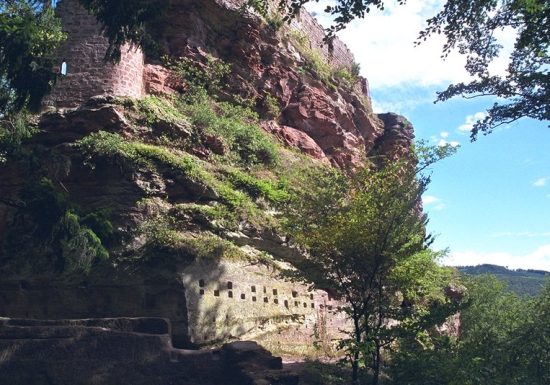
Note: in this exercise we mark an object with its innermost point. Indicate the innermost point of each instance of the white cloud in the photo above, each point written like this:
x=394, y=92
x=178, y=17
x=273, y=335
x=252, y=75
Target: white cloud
x=444, y=134
x=429, y=199
x=433, y=202
x=443, y=142
x=541, y=182
x=470, y=121
x=537, y=259
x=383, y=43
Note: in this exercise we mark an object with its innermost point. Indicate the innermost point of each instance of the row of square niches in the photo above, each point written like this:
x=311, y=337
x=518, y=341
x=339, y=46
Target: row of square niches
x=265, y=299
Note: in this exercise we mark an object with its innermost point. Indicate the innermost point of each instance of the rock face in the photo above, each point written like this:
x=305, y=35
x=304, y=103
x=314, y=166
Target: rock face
x=274, y=68
x=158, y=166
x=124, y=350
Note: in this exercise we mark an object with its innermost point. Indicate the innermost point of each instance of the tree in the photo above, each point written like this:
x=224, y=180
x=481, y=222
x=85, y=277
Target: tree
x=29, y=34
x=503, y=340
x=127, y=21
x=363, y=234
x=471, y=26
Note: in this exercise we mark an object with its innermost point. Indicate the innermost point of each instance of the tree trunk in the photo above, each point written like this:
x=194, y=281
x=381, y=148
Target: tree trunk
x=376, y=366
x=355, y=359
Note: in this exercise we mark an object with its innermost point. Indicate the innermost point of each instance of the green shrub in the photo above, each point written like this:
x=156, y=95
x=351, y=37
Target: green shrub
x=154, y=108
x=55, y=236
x=114, y=146
x=275, y=21
x=14, y=130
x=258, y=187
x=239, y=127
x=136, y=153
x=212, y=247
x=162, y=234
x=80, y=246
x=356, y=69
x=200, y=78
x=272, y=106
x=314, y=60
x=343, y=75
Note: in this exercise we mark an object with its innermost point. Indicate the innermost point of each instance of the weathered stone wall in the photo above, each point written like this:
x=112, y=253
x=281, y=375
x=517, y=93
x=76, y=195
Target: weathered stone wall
x=59, y=300
x=125, y=351
x=89, y=75
x=337, y=54
x=237, y=300
x=84, y=52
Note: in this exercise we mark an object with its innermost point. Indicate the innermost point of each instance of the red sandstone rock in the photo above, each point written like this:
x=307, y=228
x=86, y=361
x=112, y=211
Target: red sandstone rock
x=397, y=138
x=158, y=81
x=216, y=144
x=296, y=139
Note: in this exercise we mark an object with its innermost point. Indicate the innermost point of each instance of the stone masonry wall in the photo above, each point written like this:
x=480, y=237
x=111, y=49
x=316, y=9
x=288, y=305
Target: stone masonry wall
x=237, y=300
x=338, y=55
x=88, y=74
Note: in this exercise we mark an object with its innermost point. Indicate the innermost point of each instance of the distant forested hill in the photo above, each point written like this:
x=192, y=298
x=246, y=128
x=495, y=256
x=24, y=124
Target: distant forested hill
x=522, y=282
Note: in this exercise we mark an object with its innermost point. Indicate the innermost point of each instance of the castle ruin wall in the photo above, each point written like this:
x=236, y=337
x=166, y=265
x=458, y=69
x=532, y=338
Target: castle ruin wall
x=230, y=300
x=338, y=55
x=88, y=73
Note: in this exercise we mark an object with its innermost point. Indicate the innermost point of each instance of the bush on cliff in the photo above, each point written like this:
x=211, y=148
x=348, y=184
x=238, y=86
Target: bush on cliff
x=52, y=235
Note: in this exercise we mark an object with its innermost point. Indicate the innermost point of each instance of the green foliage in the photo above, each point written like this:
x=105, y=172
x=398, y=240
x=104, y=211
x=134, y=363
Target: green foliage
x=522, y=282
x=427, y=154
x=51, y=236
x=363, y=234
x=260, y=6
x=318, y=373
x=29, y=35
x=314, y=60
x=259, y=187
x=127, y=21
x=203, y=214
x=115, y=147
x=153, y=109
x=503, y=340
x=238, y=126
x=200, y=78
x=355, y=69
x=161, y=159
x=14, y=130
x=272, y=106
x=345, y=77
x=489, y=329
x=275, y=20
x=470, y=26
x=80, y=246
x=164, y=234
x=416, y=363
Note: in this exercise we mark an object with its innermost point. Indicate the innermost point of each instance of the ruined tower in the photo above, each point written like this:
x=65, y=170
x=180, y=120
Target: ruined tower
x=87, y=73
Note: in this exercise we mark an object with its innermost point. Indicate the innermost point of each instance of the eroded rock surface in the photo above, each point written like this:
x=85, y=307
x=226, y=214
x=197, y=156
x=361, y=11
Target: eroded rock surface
x=124, y=350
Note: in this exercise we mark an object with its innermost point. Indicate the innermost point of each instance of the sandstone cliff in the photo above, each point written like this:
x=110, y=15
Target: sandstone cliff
x=139, y=203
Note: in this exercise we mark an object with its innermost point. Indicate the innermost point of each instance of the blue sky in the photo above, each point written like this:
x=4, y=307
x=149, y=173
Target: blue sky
x=489, y=203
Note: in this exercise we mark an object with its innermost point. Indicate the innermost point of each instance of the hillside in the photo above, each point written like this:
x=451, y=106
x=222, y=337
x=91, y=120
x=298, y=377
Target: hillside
x=522, y=282
x=155, y=187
